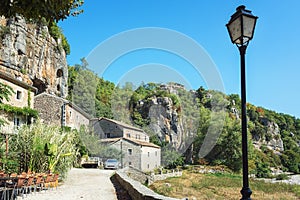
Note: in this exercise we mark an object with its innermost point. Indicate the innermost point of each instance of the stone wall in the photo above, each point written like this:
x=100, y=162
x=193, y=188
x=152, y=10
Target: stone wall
x=75, y=117
x=23, y=95
x=145, y=178
x=136, y=190
x=49, y=108
x=134, y=159
x=135, y=134
x=110, y=130
x=150, y=158
x=60, y=112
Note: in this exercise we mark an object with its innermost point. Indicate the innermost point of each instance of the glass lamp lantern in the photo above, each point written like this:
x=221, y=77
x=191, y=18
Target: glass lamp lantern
x=241, y=26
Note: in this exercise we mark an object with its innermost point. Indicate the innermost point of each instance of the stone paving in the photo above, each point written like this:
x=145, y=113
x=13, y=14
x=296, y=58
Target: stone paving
x=88, y=184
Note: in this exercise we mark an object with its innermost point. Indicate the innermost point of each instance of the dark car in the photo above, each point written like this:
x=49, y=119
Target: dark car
x=111, y=164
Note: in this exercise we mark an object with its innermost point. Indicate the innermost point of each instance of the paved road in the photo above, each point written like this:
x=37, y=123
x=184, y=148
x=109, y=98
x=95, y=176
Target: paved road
x=81, y=184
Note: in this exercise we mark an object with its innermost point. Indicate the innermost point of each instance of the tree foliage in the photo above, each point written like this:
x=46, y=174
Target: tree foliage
x=38, y=9
x=56, y=32
x=89, y=92
x=5, y=92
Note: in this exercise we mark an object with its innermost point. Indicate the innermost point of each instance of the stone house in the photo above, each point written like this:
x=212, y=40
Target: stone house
x=58, y=111
x=20, y=103
x=133, y=142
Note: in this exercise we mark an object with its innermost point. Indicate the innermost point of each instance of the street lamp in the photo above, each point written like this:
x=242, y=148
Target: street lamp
x=241, y=29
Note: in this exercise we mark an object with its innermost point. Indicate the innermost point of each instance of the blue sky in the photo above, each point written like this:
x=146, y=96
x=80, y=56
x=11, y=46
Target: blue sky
x=272, y=59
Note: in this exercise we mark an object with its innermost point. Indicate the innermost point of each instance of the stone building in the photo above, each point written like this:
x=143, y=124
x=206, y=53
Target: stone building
x=58, y=111
x=36, y=62
x=109, y=128
x=133, y=142
x=20, y=103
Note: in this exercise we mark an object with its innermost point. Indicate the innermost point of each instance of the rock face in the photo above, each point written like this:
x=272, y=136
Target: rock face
x=272, y=137
x=164, y=120
x=178, y=128
x=170, y=123
x=29, y=53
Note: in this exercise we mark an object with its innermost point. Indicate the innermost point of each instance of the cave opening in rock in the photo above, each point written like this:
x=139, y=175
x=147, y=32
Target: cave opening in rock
x=59, y=73
x=40, y=85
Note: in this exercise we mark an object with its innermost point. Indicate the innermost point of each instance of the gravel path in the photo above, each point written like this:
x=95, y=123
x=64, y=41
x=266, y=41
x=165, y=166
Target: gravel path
x=83, y=184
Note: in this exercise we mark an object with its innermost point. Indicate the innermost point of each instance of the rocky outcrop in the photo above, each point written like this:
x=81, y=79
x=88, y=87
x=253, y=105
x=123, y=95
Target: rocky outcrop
x=171, y=123
x=272, y=138
x=164, y=120
x=29, y=53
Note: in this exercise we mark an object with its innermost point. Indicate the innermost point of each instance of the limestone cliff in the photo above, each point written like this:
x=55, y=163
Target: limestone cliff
x=272, y=138
x=29, y=53
x=178, y=125
x=173, y=124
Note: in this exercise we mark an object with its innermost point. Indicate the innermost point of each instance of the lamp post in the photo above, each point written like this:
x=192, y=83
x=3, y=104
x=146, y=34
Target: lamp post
x=241, y=29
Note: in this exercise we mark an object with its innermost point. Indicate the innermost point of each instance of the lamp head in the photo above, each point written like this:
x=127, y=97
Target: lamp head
x=241, y=26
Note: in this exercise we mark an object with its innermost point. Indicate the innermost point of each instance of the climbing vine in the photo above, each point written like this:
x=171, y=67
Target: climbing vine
x=19, y=111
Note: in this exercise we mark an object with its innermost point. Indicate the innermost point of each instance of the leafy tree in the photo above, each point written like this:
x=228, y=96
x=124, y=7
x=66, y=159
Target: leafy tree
x=227, y=151
x=120, y=103
x=171, y=158
x=291, y=160
x=56, y=32
x=5, y=92
x=50, y=10
x=84, y=89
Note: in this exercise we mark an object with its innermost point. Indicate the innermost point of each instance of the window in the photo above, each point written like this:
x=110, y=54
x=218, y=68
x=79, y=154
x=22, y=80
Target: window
x=129, y=163
x=148, y=166
x=128, y=135
x=129, y=151
x=155, y=153
x=148, y=154
x=108, y=135
x=19, y=95
x=16, y=121
x=145, y=138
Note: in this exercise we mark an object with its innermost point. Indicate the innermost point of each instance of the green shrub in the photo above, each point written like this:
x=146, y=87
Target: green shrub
x=282, y=177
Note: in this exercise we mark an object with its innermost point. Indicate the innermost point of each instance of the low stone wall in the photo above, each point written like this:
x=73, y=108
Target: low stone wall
x=136, y=190
x=144, y=178
x=163, y=176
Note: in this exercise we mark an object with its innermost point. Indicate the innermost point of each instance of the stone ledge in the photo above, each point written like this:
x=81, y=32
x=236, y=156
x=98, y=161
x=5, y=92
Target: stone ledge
x=136, y=190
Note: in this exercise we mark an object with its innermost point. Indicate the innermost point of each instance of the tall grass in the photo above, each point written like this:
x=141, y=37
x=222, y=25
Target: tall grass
x=222, y=186
x=42, y=148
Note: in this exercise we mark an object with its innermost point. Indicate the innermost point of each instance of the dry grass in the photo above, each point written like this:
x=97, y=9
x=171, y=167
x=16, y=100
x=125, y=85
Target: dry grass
x=222, y=186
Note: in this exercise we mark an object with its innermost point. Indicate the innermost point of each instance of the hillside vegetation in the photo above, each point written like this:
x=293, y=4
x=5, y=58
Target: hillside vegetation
x=274, y=136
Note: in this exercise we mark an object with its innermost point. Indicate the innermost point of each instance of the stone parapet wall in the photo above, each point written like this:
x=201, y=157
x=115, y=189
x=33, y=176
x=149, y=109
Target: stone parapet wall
x=136, y=190
x=145, y=178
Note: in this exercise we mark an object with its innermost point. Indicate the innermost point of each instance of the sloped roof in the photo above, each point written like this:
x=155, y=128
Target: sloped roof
x=138, y=142
x=15, y=81
x=142, y=143
x=121, y=124
x=110, y=140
